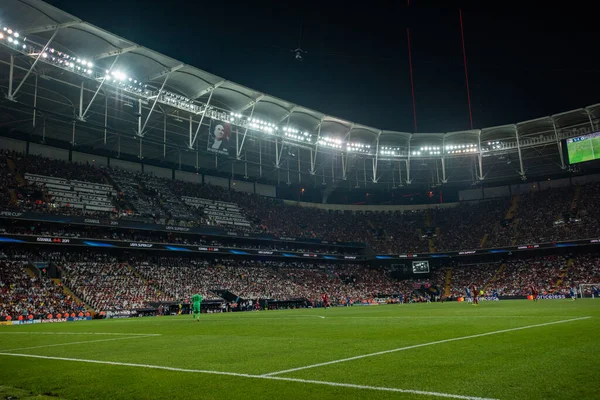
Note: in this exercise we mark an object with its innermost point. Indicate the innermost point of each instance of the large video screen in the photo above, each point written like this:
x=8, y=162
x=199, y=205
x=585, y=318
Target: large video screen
x=584, y=148
x=420, y=267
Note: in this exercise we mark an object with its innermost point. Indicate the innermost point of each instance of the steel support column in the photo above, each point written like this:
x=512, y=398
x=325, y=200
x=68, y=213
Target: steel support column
x=521, y=171
x=141, y=132
x=73, y=138
x=83, y=115
x=105, y=116
x=444, y=180
x=35, y=91
x=80, y=116
x=559, y=145
x=260, y=158
x=375, y=179
x=299, y=174
x=313, y=156
x=11, y=95
x=481, y=177
x=278, y=153
x=241, y=146
x=400, y=184
x=11, y=75
x=590, y=118
x=408, y=180
x=164, y=135
x=139, y=117
x=140, y=155
x=344, y=166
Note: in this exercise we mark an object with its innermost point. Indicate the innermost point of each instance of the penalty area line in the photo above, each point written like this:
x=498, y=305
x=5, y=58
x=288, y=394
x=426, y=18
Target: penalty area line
x=273, y=378
x=421, y=345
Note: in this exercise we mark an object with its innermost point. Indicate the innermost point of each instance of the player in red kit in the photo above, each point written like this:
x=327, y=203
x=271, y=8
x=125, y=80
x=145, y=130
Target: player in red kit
x=475, y=299
x=325, y=300
x=534, y=293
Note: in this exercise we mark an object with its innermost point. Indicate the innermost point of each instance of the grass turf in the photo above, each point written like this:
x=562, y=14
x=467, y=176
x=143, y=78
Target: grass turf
x=552, y=361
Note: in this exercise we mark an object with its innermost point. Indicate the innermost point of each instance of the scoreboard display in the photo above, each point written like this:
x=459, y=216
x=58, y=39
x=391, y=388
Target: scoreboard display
x=420, y=267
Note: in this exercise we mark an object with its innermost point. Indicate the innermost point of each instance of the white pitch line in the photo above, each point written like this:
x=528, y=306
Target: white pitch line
x=275, y=378
x=80, y=333
x=421, y=345
x=72, y=343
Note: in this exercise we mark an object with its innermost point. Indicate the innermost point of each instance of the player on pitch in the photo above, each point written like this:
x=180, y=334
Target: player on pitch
x=196, y=302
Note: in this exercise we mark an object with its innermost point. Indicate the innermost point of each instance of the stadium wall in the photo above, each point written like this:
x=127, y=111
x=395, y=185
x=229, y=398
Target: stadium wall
x=217, y=181
x=86, y=158
x=158, y=171
x=188, y=176
x=371, y=208
x=13, y=144
x=48, y=151
x=266, y=190
x=242, y=186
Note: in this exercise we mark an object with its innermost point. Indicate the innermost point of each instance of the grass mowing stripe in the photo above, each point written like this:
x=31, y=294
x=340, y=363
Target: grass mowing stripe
x=421, y=345
x=71, y=343
x=276, y=378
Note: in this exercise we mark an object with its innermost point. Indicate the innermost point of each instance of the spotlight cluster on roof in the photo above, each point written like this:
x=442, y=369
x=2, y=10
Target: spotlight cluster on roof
x=494, y=145
x=389, y=151
x=358, y=147
x=262, y=126
x=461, y=148
x=429, y=150
x=47, y=54
x=296, y=134
x=330, y=142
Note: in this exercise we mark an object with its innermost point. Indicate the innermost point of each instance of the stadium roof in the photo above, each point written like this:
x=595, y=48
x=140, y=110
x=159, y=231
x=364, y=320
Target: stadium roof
x=41, y=23
x=37, y=18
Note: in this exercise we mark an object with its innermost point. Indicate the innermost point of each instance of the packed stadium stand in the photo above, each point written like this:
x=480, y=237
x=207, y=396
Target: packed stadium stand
x=539, y=217
x=145, y=208
x=105, y=283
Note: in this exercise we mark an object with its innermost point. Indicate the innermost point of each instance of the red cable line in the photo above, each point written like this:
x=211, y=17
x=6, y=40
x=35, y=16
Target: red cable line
x=462, y=34
x=412, y=83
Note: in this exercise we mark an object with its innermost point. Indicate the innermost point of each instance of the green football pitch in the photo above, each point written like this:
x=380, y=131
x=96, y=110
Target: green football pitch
x=499, y=350
x=585, y=150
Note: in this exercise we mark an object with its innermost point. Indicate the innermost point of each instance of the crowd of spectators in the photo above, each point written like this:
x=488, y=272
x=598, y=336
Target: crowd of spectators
x=107, y=284
x=545, y=216
x=546, y=274
x=463, y=227
x=23, y=295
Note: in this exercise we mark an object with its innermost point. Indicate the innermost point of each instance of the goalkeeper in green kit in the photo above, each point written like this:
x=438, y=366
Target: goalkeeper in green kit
x=196, y=302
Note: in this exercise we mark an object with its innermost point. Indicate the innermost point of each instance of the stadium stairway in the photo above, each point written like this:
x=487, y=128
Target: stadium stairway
x=483, y=240
x=563, y=273
x=576, y=196
x=428, y=218
x=514, y=206
x=13, y=168
x=32, y=271
x=493, y=279
x=448, y=285
x=68, y=292
x=431, y=246
x=136, y=273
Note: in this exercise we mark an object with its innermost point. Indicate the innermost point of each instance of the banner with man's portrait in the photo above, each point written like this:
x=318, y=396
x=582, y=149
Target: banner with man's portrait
x=221, y=138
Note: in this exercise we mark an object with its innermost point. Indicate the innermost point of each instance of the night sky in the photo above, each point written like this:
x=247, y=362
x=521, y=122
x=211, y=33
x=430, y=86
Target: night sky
x=523, y=63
